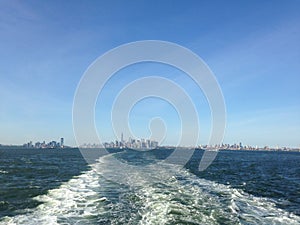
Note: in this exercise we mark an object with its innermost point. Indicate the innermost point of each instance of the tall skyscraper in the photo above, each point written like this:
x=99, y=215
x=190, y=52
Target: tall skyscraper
x=61, y=142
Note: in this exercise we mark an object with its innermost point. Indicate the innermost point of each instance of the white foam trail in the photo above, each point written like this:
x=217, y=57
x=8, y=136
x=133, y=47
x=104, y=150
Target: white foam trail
x=3, y=171
x=153, y=194
x=72, y=202
x=171, y=194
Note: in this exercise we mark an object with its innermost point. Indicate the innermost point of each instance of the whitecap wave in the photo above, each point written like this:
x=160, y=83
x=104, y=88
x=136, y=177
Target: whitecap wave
x=3, y=171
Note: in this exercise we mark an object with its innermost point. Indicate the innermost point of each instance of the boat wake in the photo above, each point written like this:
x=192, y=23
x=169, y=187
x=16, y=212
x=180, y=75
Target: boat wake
x=153, y=194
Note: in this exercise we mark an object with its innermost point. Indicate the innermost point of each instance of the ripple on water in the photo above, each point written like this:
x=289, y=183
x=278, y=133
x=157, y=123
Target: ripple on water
x=153, y=194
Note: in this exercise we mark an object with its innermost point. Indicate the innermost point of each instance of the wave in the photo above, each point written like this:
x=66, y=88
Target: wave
x=160, y=193
x=3, y=171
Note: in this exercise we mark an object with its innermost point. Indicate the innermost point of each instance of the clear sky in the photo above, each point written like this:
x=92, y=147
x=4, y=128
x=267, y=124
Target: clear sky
x=253, y=48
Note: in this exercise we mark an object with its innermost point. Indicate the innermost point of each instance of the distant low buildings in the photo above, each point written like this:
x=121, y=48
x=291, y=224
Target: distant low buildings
x=247, y=147
x=147, y=144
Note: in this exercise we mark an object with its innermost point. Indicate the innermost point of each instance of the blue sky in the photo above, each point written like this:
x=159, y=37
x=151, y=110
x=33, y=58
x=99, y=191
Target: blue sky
x=252, y=47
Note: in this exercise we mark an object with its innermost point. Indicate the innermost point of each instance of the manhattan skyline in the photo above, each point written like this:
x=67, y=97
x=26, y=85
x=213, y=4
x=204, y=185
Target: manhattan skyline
x=251, y=47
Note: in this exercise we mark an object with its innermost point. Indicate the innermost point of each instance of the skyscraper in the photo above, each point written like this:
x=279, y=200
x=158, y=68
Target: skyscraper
x=61, y=142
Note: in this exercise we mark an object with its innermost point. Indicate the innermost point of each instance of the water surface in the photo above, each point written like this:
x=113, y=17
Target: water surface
x=58, y=187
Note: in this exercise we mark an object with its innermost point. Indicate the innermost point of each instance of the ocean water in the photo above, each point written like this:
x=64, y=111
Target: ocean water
x=58, y=187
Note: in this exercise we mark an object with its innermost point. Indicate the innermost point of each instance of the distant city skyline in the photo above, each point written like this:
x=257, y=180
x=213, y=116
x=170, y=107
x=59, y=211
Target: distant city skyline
x=251, y=47
x=142, y=143
x=44, y=144
x=134, y=143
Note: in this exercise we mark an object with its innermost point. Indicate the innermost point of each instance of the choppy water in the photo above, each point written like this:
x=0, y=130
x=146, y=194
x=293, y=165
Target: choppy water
x=57, y=187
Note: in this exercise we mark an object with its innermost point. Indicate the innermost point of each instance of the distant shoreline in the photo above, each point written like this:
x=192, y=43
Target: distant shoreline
x=17, y=147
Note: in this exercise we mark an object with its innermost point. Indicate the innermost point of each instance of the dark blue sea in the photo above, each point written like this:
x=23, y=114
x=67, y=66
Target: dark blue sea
x=57, y=186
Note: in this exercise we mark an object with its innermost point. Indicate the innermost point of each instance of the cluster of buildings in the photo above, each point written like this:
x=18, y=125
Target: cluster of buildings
x=131, y=143
x=51, y=144
x=150, y=144
x=240, y=146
